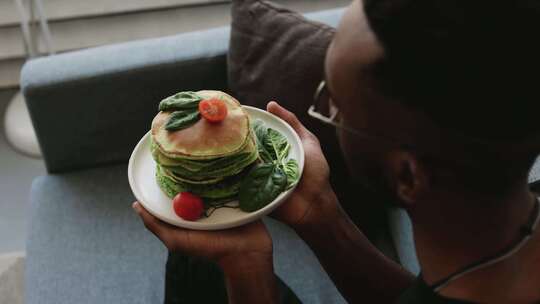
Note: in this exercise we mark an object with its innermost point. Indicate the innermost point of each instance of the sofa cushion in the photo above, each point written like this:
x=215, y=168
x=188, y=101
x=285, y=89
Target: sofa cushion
x=299, y=268
x=276, y=53
x=86, y=245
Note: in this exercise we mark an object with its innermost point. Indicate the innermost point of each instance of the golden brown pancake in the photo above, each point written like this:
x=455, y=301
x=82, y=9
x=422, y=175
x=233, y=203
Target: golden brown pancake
x=204, y=139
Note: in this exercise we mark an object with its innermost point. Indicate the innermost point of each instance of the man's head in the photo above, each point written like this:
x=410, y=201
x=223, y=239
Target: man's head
x=454, y=80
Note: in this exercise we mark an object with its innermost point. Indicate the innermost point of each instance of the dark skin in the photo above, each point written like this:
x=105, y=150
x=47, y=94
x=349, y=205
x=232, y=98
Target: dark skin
x=453, y=225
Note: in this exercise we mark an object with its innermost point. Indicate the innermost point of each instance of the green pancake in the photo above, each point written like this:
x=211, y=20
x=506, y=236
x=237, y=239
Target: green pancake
x=180, y=174
x=226, y=189
x=205, y=171
x=206, y=164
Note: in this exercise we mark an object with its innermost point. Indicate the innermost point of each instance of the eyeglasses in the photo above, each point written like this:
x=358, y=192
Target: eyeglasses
x=324, y=110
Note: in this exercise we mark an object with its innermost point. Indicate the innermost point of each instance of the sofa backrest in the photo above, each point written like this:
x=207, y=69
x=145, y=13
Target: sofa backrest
x=91, y=107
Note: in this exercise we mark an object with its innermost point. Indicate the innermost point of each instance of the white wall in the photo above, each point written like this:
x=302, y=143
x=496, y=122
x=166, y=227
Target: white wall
x=77, y=24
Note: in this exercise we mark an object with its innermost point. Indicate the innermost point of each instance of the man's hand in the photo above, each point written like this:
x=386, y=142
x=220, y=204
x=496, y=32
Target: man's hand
x=359, y=270
x=313, y=198
x=244, y=243
x=244, y=253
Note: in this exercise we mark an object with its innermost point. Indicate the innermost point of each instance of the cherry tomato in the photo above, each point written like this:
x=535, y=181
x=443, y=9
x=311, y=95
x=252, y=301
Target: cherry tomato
x=213, y=110
x=188, y=206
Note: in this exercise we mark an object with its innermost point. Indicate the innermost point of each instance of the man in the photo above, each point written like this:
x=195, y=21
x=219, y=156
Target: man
x=436, y=107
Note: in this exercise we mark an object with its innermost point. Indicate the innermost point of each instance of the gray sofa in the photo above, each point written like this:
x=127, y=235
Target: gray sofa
x=89, y=109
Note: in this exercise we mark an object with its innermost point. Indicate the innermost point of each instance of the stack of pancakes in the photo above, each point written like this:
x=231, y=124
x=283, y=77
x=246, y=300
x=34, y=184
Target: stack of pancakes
x=207, y=159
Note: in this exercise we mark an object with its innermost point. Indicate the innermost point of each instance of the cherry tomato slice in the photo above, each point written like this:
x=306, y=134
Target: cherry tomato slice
x=188, y=206
x=213, y=110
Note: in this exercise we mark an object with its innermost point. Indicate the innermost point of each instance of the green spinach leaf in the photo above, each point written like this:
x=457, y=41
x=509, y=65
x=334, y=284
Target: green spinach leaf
x=261, y=186
x=261, y=132
x=291, y=170
x=274, y=175
x=180, y=101
x=277, y=145
x=182, y=119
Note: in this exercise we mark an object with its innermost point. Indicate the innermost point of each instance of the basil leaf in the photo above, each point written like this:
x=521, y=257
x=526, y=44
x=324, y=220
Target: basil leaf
x=291, y=170
x=261, y=186
x=182, y=119
x=180, y=101
x=261, y=132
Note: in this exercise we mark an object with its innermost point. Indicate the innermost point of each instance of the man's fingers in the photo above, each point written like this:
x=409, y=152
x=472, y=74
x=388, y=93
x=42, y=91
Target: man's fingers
x=157, y=227
x=175, y=239
x=274, y=108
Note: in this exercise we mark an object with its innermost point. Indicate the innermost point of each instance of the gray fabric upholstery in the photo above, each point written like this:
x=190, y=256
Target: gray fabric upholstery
x=534, y=175
x=90, y=107
x=86, y=245
x=299, y=268
x=329, y=17
x=402, y=235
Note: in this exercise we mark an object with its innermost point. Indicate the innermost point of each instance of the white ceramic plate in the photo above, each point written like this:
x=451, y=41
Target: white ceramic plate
x=142, y=179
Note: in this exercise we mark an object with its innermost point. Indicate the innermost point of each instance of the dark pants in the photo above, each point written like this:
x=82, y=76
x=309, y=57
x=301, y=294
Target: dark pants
x=192, y=280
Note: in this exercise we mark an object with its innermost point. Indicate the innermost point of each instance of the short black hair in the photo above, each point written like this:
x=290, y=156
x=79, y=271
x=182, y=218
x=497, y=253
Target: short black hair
x=472, y=66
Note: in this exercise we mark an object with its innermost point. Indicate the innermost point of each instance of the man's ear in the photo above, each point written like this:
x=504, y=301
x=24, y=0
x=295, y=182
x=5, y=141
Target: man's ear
x=409, y=177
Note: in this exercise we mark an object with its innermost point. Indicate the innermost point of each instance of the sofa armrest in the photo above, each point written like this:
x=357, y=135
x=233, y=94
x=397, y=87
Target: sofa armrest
x=90, y=107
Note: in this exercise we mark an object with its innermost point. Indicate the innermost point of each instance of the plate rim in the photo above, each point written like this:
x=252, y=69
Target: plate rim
x=234, y=223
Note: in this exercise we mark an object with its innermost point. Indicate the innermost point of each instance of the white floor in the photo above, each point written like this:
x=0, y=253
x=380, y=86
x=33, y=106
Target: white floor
x=16, y=175
x=12, y=278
